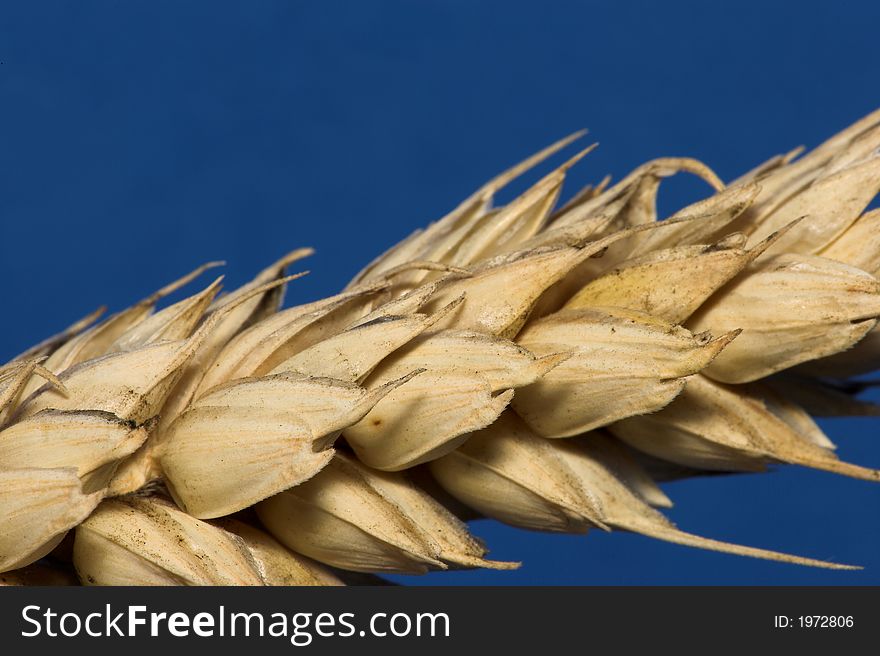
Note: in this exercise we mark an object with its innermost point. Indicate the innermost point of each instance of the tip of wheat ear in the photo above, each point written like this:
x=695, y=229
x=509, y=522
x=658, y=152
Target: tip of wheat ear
x=543, y=364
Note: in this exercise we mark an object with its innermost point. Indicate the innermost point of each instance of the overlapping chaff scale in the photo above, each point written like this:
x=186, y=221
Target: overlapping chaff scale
x=717, y=427
x=496, y=472
x=263, y=346
x=791, y=309
x=93, y=442
x=469, y=379
x=356, y=519
x=148, y=541
x=252, y=302
x=352, y=354
x=37, y=508
x=277, y=564
x=621, y=363
x=671, y=283
x=14, y=379
x=251, y=438
x=830, y=205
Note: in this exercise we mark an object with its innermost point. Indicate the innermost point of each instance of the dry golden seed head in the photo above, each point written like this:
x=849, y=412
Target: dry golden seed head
x=792, y=309
x=621, y=363
x=250, y=439
x=147, y=541
x=506, y=472
x=277, y=564
x=712, y=426
x=38, y=507
x=338, y=518
x=227, y=440
x=90, y=441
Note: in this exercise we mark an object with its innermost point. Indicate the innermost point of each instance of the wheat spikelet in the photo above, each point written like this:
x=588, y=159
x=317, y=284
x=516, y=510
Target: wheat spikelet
x=544, y=366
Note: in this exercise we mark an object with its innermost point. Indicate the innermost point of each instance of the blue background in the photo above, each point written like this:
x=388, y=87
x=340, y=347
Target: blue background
x=139, y=139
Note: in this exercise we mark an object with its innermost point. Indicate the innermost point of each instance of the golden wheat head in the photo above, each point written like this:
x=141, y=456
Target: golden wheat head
x=543, y=365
